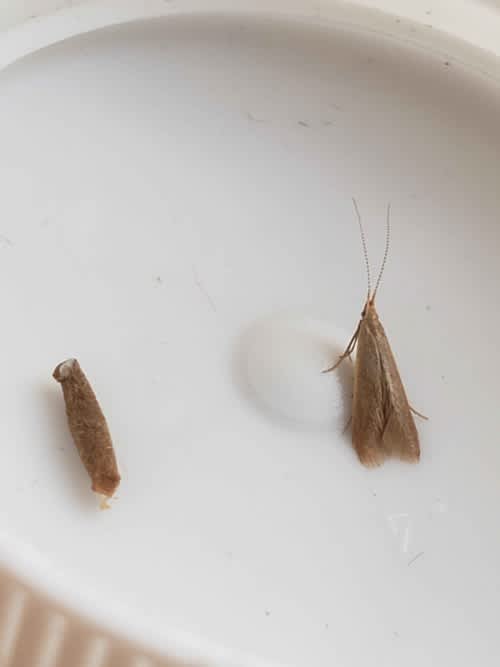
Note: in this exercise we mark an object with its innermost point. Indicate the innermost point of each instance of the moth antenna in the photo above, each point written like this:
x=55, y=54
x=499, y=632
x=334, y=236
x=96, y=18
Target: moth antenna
x=365, y=251
x=386, y=251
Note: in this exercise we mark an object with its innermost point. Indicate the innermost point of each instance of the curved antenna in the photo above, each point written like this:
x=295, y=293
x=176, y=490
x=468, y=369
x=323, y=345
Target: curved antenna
x=386, y=252
x=365, y=251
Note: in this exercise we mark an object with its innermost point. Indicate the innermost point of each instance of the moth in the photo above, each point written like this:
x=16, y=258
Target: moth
x=382, y=420
x=89, y=428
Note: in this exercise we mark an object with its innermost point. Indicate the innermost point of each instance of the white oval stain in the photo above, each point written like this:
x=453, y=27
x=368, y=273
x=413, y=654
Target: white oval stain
x=282, y=360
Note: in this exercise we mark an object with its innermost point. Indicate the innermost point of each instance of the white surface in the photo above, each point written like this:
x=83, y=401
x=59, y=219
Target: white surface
x=168, y=185
x=473, y=22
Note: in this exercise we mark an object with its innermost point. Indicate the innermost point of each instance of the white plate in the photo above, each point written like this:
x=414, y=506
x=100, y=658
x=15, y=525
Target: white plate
x=176, y=212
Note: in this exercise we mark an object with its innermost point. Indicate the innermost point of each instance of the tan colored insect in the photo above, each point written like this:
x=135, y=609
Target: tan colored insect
x=382, y=423
x=89, y=428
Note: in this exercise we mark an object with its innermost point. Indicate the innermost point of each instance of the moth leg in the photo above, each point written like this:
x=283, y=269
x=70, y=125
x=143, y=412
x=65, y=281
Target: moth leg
x=419, y=414
x=349, y=421
x=344, y=355
x=349, y=350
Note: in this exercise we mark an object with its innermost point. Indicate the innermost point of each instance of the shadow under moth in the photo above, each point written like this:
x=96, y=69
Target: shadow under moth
x=382, y=420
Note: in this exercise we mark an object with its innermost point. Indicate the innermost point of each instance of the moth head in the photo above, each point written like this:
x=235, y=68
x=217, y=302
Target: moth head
x=369, y=303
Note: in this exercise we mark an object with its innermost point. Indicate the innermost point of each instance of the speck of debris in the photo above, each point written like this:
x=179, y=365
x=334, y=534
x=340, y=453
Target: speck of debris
x=398, y=20
x=446, y=63
x=253, y=118
x=200, y=286
x=419, y=555
x=268, y=613
x=395, y=635
x=303, y=123
x=374, y=494
x=428, y=12
x=6, y=242
x=427, y=307
x=442, y=377
x=158, y=280
x=326, y=626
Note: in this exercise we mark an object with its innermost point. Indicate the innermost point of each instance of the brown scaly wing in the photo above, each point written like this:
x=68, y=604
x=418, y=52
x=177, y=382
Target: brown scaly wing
x=367, y=412
x=400, y=436
x=382, y=423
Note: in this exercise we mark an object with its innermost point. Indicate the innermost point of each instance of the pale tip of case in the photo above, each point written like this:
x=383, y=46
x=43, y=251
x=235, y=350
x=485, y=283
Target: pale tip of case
x=104, y=502
x=64, y=369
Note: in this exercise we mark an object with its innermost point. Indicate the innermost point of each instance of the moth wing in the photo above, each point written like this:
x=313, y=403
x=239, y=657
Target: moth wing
x=383, y=425
x=367, y=411
x=400, y=437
